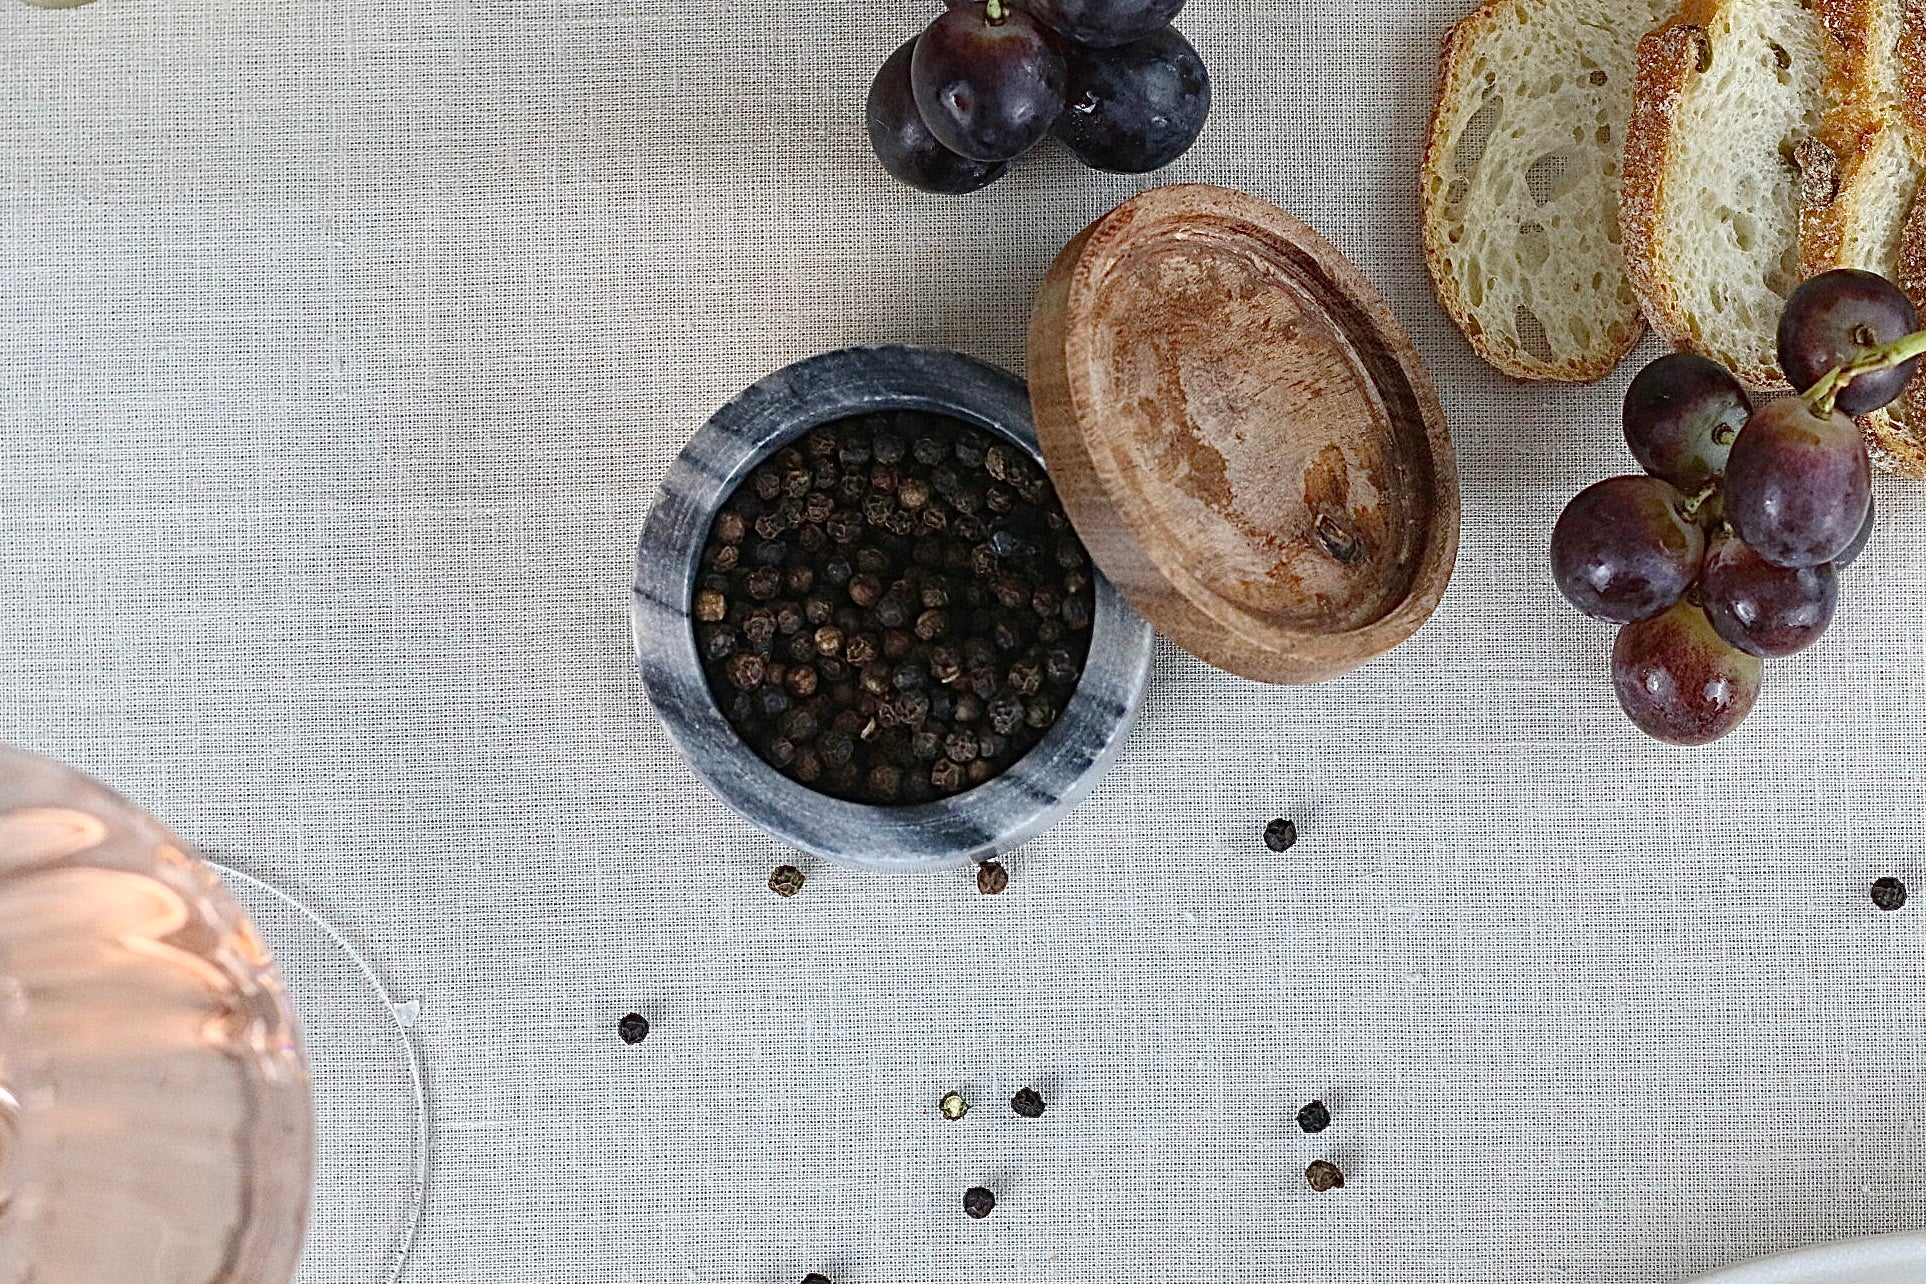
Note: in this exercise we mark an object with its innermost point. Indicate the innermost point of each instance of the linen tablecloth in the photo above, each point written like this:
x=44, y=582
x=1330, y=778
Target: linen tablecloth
x=341, y=349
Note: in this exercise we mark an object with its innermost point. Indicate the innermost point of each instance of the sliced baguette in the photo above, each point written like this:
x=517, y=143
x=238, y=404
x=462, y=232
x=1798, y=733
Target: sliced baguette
x=1520, y=183
x=1729, y=92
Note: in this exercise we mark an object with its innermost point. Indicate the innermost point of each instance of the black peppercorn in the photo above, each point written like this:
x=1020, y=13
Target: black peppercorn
x=865, y=589
x=885, y=782
x=836, y=747
x=979, y=1202
x=808, y=767
x=786, y=880
x=946, y=776
x=633, y=1028
x=799, y=725
x=1889, y=894
x=759, y=627
x=746, y=670
x=1314, y=1118
x=1323, y=1175
x=992, y=878
x=1281, y=834
x=717, y=643
x=763, y=583
x=730, y=528
x=816, y=1277
x=1028, y=1103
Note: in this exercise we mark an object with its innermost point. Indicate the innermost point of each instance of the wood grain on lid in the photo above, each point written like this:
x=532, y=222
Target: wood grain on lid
x=1242, y=435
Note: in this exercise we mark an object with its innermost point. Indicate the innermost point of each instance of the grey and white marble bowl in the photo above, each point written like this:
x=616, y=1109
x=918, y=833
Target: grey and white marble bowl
x=995, y=816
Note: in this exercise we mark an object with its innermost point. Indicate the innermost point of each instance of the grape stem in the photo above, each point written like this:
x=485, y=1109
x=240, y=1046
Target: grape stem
x=1886, y=356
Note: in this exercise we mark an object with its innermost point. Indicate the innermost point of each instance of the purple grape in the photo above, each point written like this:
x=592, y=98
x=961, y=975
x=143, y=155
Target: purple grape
x=1762, y=609
x=1833, y=318
x=1135, y=108
x=988, y=82
x=1797, y=486
x=1105, y=24
x=1679, y=681
x=1682, y=414
x=1624, y=549
x=1858, y=545
x=904, y=143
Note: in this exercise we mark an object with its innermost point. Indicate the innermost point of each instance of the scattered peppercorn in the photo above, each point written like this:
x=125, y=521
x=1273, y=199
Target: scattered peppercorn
x=1889, y=894
x=979, y=1202
x=633, y=1028
x=1028, y=1103
x=1324, y=1175
x=953, y=1105
x=1314, y=1118
x=1280, y=835
x=992, y=878
x=910, y=586
x=786, y=880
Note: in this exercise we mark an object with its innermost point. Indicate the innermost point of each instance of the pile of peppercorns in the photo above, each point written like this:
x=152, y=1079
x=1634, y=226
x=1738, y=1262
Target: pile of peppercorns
x=894, y=609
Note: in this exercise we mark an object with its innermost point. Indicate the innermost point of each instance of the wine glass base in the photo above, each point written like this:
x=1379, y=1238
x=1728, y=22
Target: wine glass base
x=370, y=1109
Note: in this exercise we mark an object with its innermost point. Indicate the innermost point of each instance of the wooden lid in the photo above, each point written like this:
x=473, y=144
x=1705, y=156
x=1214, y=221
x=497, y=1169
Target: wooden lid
x=1243, y=435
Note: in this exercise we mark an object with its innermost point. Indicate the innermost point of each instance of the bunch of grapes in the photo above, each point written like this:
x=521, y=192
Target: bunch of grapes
x=988, y=80
x=1727, y=552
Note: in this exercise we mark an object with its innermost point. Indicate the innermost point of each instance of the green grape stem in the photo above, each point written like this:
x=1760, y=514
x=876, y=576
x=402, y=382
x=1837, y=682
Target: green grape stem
x=1700, y=498
x=1821, y=396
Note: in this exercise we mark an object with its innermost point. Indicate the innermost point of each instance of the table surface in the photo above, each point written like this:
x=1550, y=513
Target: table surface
x=341, y=350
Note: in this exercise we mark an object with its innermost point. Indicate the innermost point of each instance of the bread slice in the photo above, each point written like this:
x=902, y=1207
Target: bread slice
x=1520, y=183
x=1864, y=173
x=1729, y=95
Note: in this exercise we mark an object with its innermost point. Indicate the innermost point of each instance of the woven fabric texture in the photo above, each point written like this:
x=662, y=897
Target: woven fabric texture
x=341, y=349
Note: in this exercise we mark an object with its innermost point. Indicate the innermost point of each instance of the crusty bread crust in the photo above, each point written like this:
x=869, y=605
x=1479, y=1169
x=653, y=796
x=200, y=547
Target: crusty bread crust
x=1912, y=71
x=1894, y=435
x=1456, y=80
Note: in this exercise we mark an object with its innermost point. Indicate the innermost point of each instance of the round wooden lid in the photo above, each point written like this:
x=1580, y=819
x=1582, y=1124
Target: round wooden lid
x=1242, y=434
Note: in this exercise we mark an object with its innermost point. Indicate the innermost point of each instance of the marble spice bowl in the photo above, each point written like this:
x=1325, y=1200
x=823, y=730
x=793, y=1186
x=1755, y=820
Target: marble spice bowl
x=996, y=815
